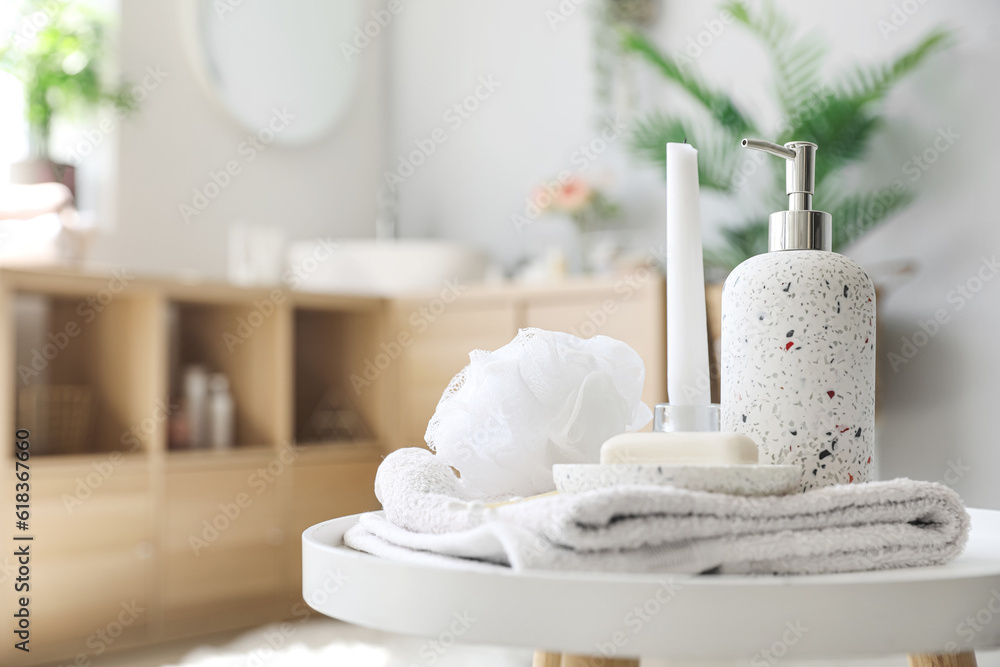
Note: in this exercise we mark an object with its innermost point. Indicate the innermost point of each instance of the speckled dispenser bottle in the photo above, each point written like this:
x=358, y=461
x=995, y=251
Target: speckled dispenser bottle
x=798, y=341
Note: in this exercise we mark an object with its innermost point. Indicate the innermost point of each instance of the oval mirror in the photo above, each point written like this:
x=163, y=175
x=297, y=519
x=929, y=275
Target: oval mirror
x=260, y=58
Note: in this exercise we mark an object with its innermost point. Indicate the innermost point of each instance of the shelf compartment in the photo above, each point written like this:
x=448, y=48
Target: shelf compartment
x=243, y=340
x=84, y=382
x=335, y=400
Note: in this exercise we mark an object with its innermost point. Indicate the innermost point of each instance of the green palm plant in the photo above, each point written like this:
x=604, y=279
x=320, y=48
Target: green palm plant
x=841, y=117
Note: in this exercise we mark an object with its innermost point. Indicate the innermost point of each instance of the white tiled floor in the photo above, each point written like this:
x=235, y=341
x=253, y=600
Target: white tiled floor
x=328, y=643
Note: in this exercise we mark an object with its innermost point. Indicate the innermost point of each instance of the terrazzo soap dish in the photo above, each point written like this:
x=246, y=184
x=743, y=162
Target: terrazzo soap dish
x=707, y=460
x=686, y=448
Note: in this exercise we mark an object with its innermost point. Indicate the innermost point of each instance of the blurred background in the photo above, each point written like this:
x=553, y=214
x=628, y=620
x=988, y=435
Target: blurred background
x=243, y=235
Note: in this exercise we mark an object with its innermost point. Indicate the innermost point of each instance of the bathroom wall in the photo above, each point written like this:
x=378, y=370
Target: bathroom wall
x=937, y=421
x=943, y=357
x=543, y=118
x=181, y=135
x=529, y=127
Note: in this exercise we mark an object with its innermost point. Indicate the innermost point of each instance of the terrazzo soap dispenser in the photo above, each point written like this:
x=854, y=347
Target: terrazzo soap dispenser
x=798, y=341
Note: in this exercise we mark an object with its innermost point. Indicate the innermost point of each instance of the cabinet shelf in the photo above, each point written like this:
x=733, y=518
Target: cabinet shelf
x=335, y=398
x=83, y=382
x=240, y=339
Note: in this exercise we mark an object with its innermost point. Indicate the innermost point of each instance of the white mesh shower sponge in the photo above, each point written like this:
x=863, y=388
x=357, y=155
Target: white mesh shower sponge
x=543, y=398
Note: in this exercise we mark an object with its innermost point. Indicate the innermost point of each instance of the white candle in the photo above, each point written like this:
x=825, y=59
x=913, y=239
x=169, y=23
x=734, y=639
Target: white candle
x=688, y=380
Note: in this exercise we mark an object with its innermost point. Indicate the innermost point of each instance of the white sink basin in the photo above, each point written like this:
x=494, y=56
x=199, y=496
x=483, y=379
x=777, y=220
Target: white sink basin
x=361, y=266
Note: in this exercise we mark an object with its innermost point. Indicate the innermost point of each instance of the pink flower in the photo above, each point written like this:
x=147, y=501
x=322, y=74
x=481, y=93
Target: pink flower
x=571, y=195
x=574, y=195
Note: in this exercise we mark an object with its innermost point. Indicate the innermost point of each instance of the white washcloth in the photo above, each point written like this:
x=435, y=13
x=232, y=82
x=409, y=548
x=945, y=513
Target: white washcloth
x=879, y=525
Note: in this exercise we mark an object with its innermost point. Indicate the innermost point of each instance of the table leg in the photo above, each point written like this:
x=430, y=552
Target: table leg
x=546, y=659
x=967, y=659
x=597, y=661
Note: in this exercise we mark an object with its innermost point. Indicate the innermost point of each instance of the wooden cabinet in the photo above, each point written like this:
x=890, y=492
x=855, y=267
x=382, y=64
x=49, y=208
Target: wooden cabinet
x=629, y=308
x=148, y=543
x=434, y=346
x=91, y=560
x=221, y=538
x=231, y=530
x=323, y=486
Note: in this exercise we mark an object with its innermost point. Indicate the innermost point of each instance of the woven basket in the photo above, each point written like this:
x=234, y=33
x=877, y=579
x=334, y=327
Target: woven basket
x=59, y=417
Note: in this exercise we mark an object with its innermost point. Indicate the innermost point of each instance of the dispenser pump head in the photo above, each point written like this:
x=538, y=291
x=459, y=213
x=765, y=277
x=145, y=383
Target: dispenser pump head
x=800, y=227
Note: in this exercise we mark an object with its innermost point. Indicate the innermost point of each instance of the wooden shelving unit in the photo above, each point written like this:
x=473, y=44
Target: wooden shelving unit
x=200, y=540
x=204, y=541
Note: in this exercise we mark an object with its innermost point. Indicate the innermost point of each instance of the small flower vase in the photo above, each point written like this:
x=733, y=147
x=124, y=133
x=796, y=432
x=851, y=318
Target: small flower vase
x=583, y=220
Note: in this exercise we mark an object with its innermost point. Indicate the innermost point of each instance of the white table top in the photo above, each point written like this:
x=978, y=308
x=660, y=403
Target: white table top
x=937, y=609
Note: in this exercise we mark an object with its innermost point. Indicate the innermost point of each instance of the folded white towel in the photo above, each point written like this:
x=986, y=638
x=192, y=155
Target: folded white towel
x=879, y=525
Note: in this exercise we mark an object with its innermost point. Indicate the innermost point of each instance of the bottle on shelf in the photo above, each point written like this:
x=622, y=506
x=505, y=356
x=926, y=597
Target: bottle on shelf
x=195, y=392
x=220, y=412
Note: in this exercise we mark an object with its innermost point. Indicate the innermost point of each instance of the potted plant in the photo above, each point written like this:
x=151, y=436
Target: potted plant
x=56, y=52
x=842, y=117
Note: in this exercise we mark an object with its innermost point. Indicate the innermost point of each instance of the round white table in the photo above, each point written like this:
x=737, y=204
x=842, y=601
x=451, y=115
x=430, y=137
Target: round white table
x=938, y=615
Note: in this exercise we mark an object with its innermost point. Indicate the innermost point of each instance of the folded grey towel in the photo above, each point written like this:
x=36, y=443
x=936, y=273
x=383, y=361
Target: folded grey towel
x=878, y=525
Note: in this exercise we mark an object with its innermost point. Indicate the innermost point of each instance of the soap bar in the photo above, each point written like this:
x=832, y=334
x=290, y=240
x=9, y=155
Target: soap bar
x=695, y=448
